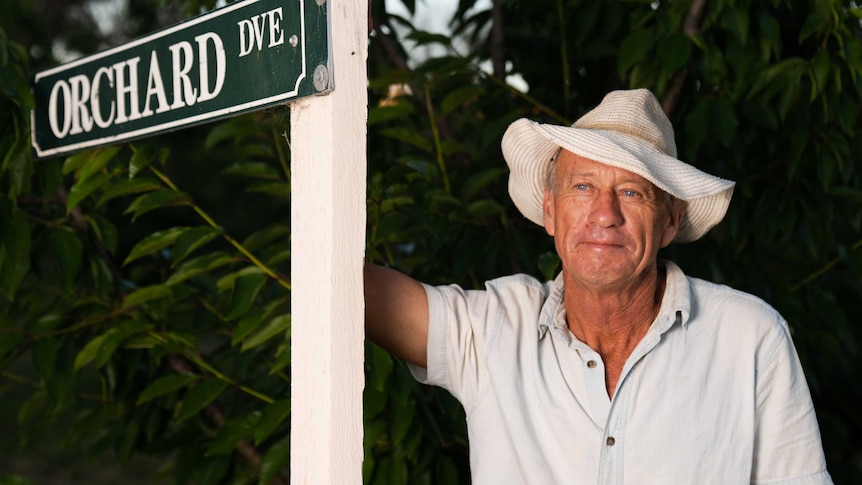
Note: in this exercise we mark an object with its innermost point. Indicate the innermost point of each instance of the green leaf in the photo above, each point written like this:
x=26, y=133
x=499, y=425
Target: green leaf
x=44, y=356
x=68, y=253
x=192, y=239
x=14, y=480
x=848, y=193
x=724, y=121
x=791, y=67
x=145, y=294
x=165, y=385
x=102, y=347
x=379, y=114
x=381, y=364
x=212, y=471
x=276, y=189
x=142, y=157
x=274, y=460
x=484, y=208
x=273, y=415
x=199, y=397
x=84, y=188
x=246, y=325
x=633, y=49
x=227, y=281
x=88, y=353
x=277, y=326
x=105, y=231
x=34, y=405
x=14, y=250
x=549, y=265
x=265, y=236
x=410, y=136
x=97, y=162
x=61, y=385
x=245, y=289
x=155, y=200
x=154, y=242
x=460, y=97
x=481, y=181
x=230, y=434
x=673, y=52
x=736, y=19
x=282, y=357
x=76, y=161
x=18, y=165
x=422, y=38
x=402, y=419
x=256, y=170
x=127, y=440
x=199, y=265
x=821, y=65
x=128, y=187
x=48, y=172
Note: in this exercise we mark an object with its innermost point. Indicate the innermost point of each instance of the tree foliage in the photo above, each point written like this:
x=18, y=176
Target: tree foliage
x=144, y=288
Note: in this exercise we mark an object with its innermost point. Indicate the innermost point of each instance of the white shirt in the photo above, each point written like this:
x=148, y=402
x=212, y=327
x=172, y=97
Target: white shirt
x=714, y=393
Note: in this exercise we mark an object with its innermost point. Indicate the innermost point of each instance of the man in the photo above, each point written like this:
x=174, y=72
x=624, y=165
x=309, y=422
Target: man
x=623, y=370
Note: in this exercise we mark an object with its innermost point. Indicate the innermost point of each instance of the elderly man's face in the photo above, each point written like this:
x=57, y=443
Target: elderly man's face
x=608, y=224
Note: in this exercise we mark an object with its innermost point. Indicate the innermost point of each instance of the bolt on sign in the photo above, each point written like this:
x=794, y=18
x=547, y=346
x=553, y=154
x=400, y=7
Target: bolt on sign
x=245, y=56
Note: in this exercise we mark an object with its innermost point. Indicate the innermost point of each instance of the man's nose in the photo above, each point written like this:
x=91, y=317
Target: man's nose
x=606, y=210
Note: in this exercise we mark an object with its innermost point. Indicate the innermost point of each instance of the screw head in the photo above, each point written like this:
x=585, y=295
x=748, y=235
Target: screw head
x=293, y=40
x=321, y=77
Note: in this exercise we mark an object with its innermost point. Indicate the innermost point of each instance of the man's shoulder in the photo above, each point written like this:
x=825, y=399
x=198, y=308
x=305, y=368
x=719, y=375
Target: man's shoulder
x=520, y=285
x=513, y=288
x=516, y=280
x=714, y=300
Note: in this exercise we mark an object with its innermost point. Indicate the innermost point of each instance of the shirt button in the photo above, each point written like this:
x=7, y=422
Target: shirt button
x=611, y=441
x=591, y=363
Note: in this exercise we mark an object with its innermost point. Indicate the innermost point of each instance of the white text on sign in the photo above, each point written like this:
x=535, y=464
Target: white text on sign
x=76, y=104
x=253, y=31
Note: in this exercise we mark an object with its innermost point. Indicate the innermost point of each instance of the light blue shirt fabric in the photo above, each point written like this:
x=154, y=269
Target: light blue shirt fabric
x=713, y=394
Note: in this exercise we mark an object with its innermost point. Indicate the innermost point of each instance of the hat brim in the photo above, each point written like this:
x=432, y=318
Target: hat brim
x=529, y=147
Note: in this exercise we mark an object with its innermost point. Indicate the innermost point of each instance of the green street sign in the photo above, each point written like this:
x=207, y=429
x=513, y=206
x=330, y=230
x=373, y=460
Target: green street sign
x=245, y=56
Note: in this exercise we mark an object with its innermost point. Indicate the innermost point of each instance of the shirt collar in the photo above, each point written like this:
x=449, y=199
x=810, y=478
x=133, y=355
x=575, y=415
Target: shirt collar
x=553, y=309
x=675, y=303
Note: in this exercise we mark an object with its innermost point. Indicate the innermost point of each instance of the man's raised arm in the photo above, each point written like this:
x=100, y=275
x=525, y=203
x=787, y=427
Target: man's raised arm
x=396, y=314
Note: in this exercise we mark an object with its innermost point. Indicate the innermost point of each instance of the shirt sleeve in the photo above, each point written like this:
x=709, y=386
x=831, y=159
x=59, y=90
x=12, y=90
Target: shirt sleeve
x=787, y=446
x=458, y=323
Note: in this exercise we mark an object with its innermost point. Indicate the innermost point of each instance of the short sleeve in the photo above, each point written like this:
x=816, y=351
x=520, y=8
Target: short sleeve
x=787, y=446
x=459, y=321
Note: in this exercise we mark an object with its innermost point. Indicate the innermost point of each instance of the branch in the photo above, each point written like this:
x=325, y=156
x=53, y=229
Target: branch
x=825, y=269
x=216, y=415
x=498, y=46
x=690, y=28
x=242, y=249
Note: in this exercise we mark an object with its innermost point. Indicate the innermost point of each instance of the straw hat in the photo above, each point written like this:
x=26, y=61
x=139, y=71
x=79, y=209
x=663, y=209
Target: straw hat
x=628, y=130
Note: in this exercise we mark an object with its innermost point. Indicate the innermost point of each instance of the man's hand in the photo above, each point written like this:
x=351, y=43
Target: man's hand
x=396, y=314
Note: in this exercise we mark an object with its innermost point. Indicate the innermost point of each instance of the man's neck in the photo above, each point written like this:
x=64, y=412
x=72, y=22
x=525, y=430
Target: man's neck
x=613, y=322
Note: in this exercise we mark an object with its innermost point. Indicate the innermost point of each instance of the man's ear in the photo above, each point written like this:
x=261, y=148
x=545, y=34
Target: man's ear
x=548, y=211
x=677, y=211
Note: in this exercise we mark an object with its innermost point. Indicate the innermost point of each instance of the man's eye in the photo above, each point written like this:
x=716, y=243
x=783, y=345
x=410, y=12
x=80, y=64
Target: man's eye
x=630, y=193
x=581, y=186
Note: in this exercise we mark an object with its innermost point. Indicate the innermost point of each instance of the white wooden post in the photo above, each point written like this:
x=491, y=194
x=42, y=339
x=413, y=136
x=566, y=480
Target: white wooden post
x=328, y=139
